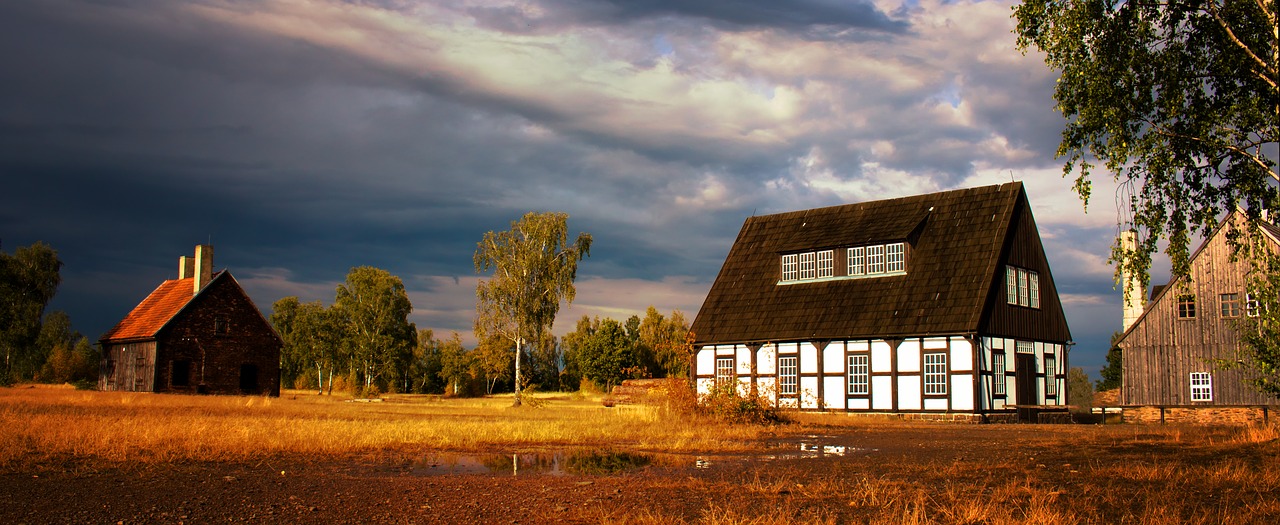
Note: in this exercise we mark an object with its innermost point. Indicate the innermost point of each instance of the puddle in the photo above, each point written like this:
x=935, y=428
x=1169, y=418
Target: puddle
x=553, y=464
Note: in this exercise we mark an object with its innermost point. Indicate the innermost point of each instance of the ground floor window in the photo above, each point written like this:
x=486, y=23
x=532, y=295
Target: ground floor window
x=859, y=375
x=788, y=376
x=1201, y=386
x=935, y=374
x=1050, y=375
x=998, y=373
x=724, y=370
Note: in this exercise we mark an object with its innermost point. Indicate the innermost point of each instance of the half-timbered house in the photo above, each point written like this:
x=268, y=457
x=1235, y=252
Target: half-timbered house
x=199, y=333
x=1173, y=346
x=932, y=304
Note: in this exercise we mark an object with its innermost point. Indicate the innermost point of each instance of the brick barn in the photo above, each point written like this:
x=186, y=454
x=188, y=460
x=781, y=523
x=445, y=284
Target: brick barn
x=199, y=333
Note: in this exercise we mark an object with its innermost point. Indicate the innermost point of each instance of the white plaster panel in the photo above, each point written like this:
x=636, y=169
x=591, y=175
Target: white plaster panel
x=704, y=386
x=833, y=392
x=742, y=355
x=767, y=387
x=809, y=391
x=934, y=403
x=787, y=402
x=1009, y=344
x=859, y=346
x=961, y=354
x=909, y=393
x=707, y=361
x=997, y=344
x=935, y=343
x=998, y=404
x=808, y=359
x=882, y=393
x=909, y=356
x=744, y=386
x=881, y=357
x=861, y=403
x=1039, y=347
x=767, y=360
x=833, y=361
x=961, y=392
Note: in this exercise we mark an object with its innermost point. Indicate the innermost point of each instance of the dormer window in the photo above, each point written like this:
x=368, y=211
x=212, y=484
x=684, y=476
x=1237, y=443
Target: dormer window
x=859, y=261
x=826, y=264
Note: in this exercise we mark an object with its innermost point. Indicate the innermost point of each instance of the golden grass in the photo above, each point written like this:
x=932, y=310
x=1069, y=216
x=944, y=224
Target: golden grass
x=119, y=426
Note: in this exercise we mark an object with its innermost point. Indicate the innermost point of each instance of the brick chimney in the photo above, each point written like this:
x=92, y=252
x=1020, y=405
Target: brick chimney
x=1135, y=295
x=203, y=267
x=186, y=267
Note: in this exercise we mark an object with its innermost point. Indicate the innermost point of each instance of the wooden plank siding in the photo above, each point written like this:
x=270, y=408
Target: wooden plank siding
x=1023, y=248
x=1161, y=350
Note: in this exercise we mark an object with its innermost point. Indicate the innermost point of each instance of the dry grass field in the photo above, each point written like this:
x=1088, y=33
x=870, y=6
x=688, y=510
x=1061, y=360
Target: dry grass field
x=75, y=456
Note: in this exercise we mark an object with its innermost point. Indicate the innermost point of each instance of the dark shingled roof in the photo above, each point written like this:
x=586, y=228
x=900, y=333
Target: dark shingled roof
x=955, y=239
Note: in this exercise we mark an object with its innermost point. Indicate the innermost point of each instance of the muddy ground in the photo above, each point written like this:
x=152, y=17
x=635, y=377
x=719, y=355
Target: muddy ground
x=818, y=474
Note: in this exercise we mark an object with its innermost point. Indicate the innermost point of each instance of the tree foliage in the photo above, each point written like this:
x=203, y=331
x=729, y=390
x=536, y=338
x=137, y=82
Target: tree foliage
x=534, y=266
x=28, y=281
x=1180, y=102
x=608, y=353
x=1113, y=373
x=372, y=309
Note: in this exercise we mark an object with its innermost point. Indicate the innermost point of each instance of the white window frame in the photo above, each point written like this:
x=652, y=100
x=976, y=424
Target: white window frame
x=724, y=370
x=788, y=375
x=854, y=260
x=789, y=267
x=826, y=264
x=1201, y=386
x=859, y=374
x=1011, y=284
x=1023, y=299
x=808, y=267
x=875, y=259
x=935, y=374
x=1050, y=375
x=998, y=374
x=1025, y=347
x=1252, y=307
x=1033, y=289
x=895, y=257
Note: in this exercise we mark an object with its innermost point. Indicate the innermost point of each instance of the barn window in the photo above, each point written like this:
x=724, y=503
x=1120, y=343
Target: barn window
x=1011, y=284
x=1201, y=386
x=859, y=374
x=935, y=374
x=724, y=370
x=1186, y=306
x=1022, y=287
x=895, y=255
x=807, y=267
x=1050, y=375
x=220, y=326
x=787, y=376
x=855, y=261
x=789, y=272
x=1230, y=304
x=875, y=259
x=826, y=264
x=998, y=371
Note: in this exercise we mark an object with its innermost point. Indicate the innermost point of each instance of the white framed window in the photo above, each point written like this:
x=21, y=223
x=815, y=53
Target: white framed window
x=1201, y=386
x=1251, y=305
x=788, y=376
x=895, y=257
x=724, y=370
x=875, y=259
x=854, y=258
x=1023, y=296
x=826, y=264
x=859, y=374
x=789, y=270
x=1050, y=375
x=1025, y=347
x=807, y=266
x=1011, y=284
x=998, y=374
x=1033, y=289
x=935, y=374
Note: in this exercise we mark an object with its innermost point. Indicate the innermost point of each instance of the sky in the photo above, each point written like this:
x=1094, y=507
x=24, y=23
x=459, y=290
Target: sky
x=306, y=137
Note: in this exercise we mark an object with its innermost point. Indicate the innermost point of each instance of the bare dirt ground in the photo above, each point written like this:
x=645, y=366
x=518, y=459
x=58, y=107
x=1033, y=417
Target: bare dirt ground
x=891, y=473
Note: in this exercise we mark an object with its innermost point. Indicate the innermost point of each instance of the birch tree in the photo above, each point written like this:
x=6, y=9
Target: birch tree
x=372, y=309
x=534, y=266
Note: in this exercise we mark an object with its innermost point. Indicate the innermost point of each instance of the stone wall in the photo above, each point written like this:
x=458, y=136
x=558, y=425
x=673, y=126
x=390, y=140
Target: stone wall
x=1199, y=415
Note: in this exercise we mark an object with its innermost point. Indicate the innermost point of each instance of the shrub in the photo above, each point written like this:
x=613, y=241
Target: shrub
x=727, y=403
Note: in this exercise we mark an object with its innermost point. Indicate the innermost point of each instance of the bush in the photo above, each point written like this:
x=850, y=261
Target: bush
x=727, y=403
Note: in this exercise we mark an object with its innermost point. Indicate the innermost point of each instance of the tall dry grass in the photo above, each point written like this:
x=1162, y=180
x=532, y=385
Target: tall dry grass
x=38, y=423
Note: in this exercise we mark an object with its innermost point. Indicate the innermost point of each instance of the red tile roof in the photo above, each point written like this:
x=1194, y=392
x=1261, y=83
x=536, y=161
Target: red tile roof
x=153, y=312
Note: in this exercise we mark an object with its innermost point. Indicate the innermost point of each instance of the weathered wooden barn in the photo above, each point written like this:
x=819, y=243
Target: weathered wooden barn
x=932, y=304
x=1170, y=348
x=199, y=333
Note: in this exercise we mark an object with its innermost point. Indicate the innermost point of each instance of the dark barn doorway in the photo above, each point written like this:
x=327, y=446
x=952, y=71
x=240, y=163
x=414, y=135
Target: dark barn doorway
x=249, y=378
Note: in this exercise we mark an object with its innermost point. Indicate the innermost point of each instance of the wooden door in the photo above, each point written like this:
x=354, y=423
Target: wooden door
x=1025, y=369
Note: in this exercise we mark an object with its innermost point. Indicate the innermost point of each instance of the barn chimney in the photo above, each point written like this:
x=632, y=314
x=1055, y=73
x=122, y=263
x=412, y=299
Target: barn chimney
x=203, y=267
x=1135, y=295
x=186, y=267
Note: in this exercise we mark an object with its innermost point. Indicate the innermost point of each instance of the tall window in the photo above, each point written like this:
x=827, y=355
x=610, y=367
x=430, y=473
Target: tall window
x=859, y=374
x=1230, y=303
x=807, y=267
x=856, y=266
x=935, y=374
x=789, y=269
x=826, y=264
x=998, y=371
x=1050, y=375
x=1201, y=386
x=724, y=370
x=1022, y=287
x=787, y=376
x=875, y=259
x=895, y=257
x=1186, y=306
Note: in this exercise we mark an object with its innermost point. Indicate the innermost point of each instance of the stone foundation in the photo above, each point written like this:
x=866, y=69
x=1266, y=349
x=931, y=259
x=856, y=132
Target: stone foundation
x=1199, y=415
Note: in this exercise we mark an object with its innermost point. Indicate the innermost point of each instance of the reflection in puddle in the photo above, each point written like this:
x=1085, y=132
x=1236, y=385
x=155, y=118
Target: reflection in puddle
x=554, y=464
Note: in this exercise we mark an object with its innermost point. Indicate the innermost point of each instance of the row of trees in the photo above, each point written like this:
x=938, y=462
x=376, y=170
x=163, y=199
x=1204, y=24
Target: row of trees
x=39, y=346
